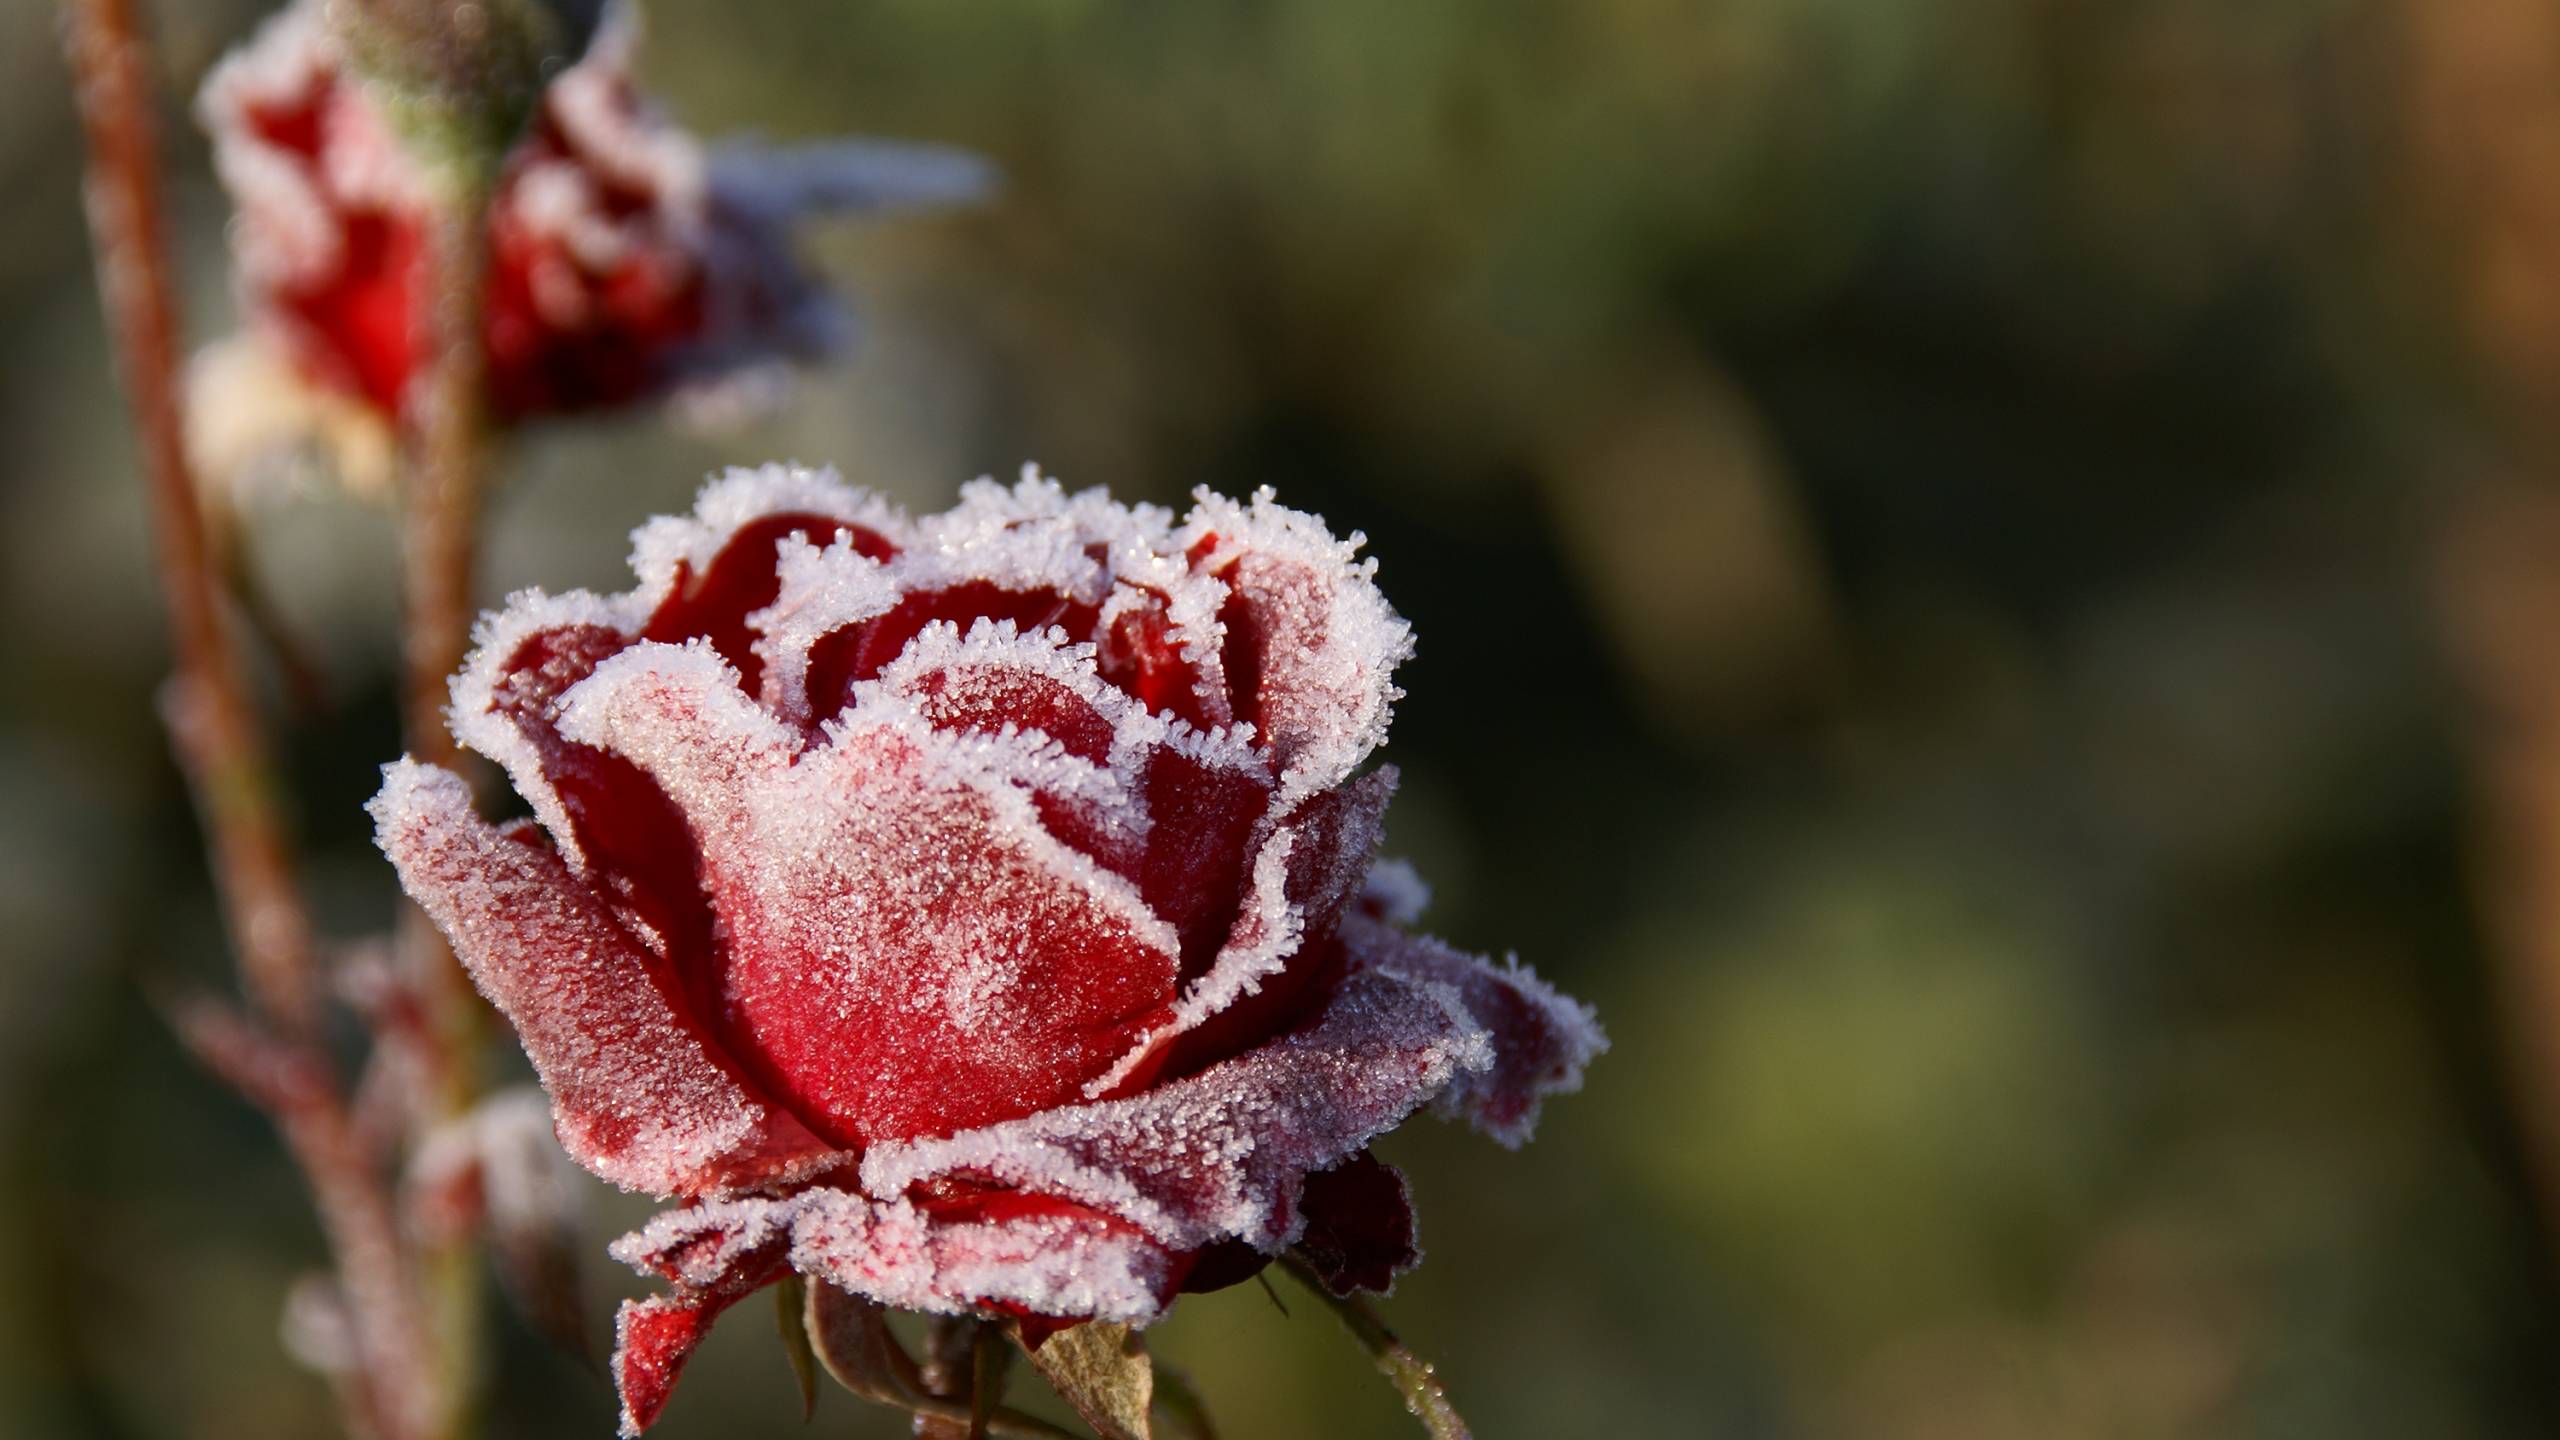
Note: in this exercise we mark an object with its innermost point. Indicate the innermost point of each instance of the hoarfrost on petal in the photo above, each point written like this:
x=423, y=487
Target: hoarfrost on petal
x=1311, y=646
x=653, y=1338
x=1541, y=1039
x=1225, y=1152
x=907, y=947
x=639, y=1095
x=1395, y=892
x=490, y=703
x=663, y=549
x=1055, y=1260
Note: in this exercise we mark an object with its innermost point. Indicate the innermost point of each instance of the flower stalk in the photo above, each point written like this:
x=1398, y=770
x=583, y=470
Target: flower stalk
x=449, y=441
x=1413, y=1376
x=270, y=1054
x=214, y=724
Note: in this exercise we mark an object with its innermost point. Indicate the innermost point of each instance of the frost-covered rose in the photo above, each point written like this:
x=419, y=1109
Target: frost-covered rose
x=975, y=911
x=626, y=260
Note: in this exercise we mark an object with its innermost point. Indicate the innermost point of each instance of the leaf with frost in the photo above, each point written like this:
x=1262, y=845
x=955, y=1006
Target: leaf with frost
x=1101, y=1370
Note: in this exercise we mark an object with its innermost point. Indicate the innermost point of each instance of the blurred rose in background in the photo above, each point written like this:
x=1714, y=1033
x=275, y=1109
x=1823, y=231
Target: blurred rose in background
x=1986, y=573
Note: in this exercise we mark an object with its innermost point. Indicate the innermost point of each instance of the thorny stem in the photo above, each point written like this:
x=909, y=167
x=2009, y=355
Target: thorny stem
x=294, y=1086
x=213, y=723
x=1412, y=1375
x=216, y=731
x=449, y=443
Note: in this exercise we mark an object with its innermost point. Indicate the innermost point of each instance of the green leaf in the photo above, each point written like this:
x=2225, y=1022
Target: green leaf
x=1102, y=1370
x=791, y=1316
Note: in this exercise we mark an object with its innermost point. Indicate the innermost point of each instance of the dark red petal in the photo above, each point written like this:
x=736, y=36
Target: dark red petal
x=1331, y=839
x=907, y=951
x=934, y=969
x=862, y=651
x=654, y=1337
x=640, y=1095
x=1137, y=652
x=634, y=841
x=1228, y=1262
x=1541, y=1039
x=1359, y=1232
x=743, y=578
x=1225, y=1152
x=985, y=697
x=1199, y=848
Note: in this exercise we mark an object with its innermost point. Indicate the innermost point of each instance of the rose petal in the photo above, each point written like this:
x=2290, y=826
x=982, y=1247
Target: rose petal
x=907, y=950
x=1225, y=1152
x=1359, y=1233
x=1279, y=958
x=639, y=1094
x=653, y=1338
x=1025, y=1253
x=1310, y=645
x=1541, y=1039
x=1033, y=1253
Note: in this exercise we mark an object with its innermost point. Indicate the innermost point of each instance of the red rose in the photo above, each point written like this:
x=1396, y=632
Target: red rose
x=625, y=260
x=975, y=912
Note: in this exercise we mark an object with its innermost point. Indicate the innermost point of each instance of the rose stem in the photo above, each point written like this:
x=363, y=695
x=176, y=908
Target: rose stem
x=1412, y=1375
x=217, y=734
x=450, y=444
x=214, y=726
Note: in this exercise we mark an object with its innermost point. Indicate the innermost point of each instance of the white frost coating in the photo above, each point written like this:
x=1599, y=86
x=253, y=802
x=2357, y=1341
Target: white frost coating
x=1265, y=936
x=796, y=846
x=979, y=666
x=591, y=103
x=1226, y=1152
x=995, y=651
x=1543, y=1039
x=739, y=498
x=1027, y=538
x=636, y=1096
x=475, y=720
x=289, y=232
x=678, y=712
x=1396, y=891
x=947, y=758
x=891, y=1252
x=1330, y=642
x=700, y=1246
x=822, y=592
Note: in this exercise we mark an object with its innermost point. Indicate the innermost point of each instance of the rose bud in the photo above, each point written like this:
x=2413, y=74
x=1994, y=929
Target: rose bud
x=626, y=261
x=975, y=912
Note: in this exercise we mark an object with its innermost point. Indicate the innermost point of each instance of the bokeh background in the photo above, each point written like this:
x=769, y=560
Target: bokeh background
x=1984, y=590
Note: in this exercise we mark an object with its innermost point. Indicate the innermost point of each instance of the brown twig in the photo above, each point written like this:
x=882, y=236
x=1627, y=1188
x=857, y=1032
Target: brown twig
x=213, y=723
x=1412, y=1375
x=294, y=1085
x=448, y=444
x=221, y=742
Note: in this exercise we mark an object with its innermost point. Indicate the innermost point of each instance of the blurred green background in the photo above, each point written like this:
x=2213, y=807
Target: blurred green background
x=1981, y=579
